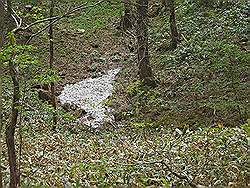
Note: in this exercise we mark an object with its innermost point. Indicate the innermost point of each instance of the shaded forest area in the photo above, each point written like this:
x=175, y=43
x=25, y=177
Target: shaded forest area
x=178, y=72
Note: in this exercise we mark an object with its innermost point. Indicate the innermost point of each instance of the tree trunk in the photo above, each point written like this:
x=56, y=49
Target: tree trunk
x=10, y=131
x=145, y=71
x=2, y=38
x=127, y=18
x=173, y=27
x=51, y=60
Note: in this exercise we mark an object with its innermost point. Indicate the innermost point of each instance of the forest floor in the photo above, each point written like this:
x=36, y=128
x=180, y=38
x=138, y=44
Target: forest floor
x=84, y=58
x=163, y=141
x=133, y=156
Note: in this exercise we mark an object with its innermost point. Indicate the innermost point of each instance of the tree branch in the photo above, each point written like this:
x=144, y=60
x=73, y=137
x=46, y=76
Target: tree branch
x=34, y=23
x=57, y=18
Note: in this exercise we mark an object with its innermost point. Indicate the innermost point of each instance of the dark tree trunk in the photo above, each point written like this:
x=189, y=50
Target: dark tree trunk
x=51, y=60
x=173, y=27
x=2, y=24
x=2, y=38
x=127, y=19
x=145, y=71
x=10, y=131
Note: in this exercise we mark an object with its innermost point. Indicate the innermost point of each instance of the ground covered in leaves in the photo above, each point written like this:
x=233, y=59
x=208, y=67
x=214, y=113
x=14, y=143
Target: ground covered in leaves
x=204, y=80
x=134, y=156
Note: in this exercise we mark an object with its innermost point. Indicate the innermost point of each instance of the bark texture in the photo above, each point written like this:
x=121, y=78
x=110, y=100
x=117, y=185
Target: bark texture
x=51, y=60
x=145, y=71
x=127, y=19
x=2, y=38
x=173, y=26
x=10, y=131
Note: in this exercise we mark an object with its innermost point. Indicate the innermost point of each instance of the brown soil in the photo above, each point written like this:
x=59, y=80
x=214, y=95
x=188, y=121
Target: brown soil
x=78, y=58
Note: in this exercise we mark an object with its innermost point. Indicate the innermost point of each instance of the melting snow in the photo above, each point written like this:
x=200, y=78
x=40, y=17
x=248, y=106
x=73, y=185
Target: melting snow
x=89, y=95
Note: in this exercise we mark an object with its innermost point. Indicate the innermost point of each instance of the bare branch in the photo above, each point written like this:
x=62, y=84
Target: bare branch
x=34, y=23
x=57, y=18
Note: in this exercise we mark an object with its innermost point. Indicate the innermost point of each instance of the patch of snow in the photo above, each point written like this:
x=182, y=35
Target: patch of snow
x=90, y=95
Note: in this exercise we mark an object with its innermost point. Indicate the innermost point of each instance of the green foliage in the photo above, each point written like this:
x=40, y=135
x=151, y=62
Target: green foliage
x=98, y=17
x=205, y=78
x=50, y=76
x=36, y=13
x=28, y=68
x=135, y=88
x=246, y=127
x=127, y=157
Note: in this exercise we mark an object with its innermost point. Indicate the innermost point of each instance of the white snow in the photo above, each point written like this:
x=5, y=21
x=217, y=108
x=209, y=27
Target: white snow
x=89, y=95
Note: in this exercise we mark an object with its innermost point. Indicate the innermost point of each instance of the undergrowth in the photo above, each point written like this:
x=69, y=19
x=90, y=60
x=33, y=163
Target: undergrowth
x=203, y=81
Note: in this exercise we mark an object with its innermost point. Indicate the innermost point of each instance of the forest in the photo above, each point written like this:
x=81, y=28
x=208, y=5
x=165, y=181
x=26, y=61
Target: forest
x=124, y=93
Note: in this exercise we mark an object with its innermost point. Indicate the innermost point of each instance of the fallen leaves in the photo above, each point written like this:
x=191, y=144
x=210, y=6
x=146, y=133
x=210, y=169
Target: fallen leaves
x=131, y=157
